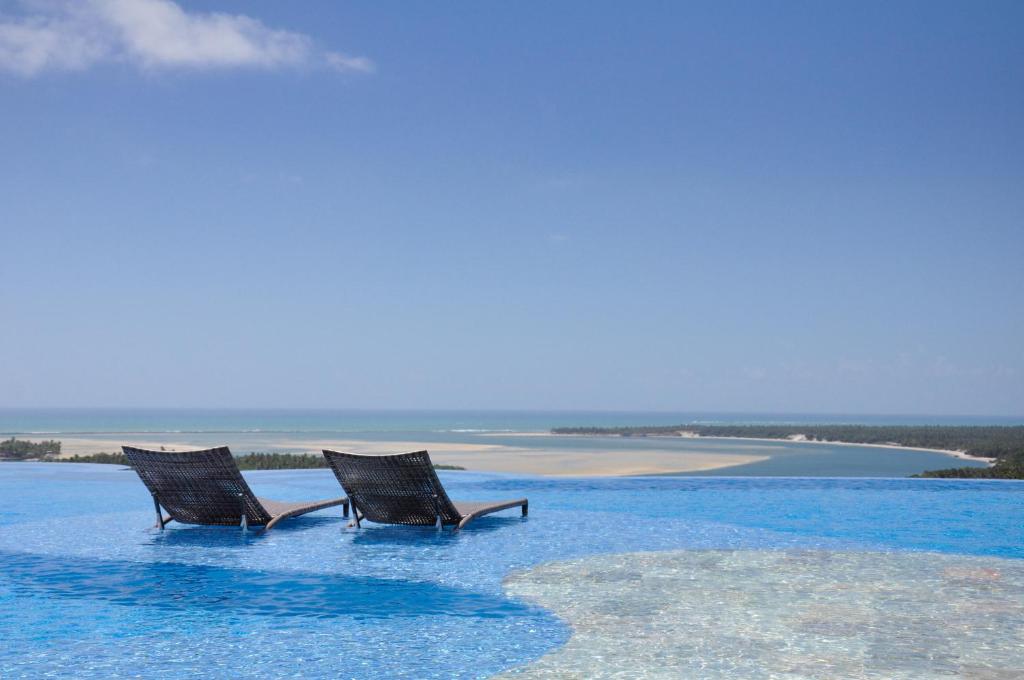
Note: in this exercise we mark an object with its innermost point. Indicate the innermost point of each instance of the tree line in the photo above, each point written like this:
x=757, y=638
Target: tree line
x=19, y=449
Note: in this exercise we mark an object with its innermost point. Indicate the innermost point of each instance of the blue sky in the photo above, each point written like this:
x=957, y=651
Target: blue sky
x=784, y=206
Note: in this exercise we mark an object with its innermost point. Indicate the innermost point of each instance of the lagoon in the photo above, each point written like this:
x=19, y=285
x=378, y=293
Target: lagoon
x=488, y=440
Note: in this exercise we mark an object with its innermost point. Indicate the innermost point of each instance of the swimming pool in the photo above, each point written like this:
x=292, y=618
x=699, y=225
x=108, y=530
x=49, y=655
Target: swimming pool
x=86, y=587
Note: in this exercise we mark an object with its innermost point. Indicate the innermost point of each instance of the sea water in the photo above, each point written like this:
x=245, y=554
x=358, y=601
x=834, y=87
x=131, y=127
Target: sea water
x=338, y=421
x=298, y=431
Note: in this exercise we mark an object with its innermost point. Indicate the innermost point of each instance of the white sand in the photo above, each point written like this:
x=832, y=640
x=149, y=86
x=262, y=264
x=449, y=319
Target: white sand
x=955, y=453
x=592, y=461
x=963, y=455
x=481, y=457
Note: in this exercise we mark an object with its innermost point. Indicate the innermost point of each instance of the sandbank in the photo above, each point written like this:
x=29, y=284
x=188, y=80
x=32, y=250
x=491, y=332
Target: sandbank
x=955, y=453
x=478, y=457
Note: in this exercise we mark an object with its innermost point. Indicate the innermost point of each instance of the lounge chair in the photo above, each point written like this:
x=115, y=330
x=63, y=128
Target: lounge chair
x=205, y=487
x=404, y=489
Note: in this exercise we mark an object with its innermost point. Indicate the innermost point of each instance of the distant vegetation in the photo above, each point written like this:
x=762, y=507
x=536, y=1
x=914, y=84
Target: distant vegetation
x=1004, y=444
x=17, y=449
x=279, y=461
x=109, y=458
x=249, y=461
x=1008, y=467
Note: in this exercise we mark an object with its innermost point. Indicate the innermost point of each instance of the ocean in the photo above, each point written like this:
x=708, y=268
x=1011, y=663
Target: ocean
x=450, y=434
x=56, y=421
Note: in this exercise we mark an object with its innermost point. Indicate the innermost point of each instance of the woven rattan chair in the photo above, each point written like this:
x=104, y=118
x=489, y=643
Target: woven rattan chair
x=404, y=489
x=205, y=487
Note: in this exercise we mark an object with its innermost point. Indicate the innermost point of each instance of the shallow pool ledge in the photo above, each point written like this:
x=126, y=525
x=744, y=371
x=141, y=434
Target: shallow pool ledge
x=781, y=614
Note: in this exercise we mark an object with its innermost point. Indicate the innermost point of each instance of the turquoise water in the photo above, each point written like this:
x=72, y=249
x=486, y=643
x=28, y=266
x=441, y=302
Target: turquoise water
x=67, y=421
x=303, y=431
x=88, y=589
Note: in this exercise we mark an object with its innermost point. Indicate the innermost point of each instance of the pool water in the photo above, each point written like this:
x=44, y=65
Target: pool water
x=781, y=614
x=88, y=588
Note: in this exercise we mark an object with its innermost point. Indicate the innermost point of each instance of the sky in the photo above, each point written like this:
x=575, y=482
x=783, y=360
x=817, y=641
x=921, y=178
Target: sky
x=720, y=206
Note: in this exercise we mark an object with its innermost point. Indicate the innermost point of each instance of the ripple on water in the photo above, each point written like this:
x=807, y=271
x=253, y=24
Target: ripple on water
x=88, y=590
x=782, y=614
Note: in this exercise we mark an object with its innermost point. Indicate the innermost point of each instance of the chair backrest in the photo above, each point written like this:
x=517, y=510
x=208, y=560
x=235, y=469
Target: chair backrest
x=197, y=487
x=397, y=489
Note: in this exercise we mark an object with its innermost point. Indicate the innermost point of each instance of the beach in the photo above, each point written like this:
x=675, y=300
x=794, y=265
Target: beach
x=482, y=457
x=540, y=453
x=507, y=442
x=962, y=455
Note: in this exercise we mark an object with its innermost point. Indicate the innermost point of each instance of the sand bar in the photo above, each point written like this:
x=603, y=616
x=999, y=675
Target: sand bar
x=480, y=457
x=955, y=453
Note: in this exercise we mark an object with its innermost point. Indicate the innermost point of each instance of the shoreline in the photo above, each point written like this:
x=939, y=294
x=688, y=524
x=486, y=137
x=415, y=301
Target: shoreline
x=954, y=453
x=473, y=457
x=482, y=455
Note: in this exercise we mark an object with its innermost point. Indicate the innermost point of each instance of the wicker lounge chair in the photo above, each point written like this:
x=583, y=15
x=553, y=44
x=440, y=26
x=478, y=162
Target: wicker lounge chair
x=205, y=487
x=404, y=489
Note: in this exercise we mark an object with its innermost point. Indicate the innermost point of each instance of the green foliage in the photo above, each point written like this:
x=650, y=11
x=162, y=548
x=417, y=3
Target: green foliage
x=279, y=461
x=109, y=458
x=1008, y=467
x=17, y=449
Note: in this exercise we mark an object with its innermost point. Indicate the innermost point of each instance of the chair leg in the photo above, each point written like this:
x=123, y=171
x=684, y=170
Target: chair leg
x=159, y=515
x=245, y=520
x=526, y=509
x=344, y=509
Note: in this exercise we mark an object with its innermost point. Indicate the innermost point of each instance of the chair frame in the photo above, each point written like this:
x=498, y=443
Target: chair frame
x=404, y=489
x=206, y=487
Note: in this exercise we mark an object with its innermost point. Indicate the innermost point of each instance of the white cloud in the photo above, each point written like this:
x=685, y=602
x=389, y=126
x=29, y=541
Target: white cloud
x=70, y=35
x=343, y=62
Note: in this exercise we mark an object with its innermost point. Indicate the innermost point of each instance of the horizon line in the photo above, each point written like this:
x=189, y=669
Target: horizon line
x=511, y=410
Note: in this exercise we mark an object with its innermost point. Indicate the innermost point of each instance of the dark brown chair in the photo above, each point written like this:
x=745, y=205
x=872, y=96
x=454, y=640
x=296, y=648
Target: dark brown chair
x=404, y=489
x=205, y=487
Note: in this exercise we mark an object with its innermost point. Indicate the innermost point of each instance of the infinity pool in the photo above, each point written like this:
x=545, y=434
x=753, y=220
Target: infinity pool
x=88, y=589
